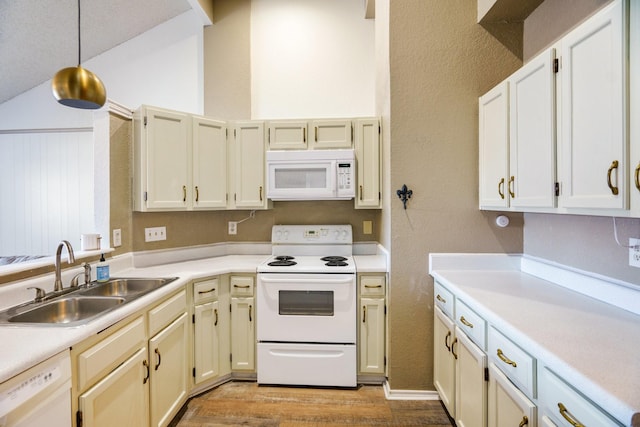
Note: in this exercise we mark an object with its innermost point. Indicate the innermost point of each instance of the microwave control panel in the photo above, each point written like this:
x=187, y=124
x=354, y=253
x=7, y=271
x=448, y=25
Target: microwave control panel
x=345, y=176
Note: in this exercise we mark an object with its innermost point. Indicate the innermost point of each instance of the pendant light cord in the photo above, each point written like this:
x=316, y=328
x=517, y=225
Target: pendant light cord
x=79, y=51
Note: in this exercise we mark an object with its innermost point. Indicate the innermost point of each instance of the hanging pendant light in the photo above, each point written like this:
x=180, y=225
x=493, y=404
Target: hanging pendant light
x=78, y=87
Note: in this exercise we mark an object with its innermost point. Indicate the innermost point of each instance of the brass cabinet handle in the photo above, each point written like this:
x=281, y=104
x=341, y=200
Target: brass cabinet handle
x=206, y=292
x=505, y=359
x=184, y=193
x=446, y=341
x=242, y=286
x=637, y=176
x=364, y=314
x=372, y=286
x=524, y=422
x=614, y=165
x=501, y=188
x=250, y=318
x=157, y=352
x=261, y=193
x=442, y=300
x=316, y=134
x=197, y=193
x=304, y=135
x=567, y=416
x=361, y=192
x=146, y=365
x=511, y=180
x=465, y=322
x=453, y=351
x=215, y=310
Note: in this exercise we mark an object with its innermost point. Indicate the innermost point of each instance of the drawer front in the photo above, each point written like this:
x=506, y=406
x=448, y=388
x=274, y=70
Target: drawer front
x=566, y=407
x=205, y=291
x=443, y=299
x=472, y=324
x=166, y=312
x=516, y=363
x=242, y=286
x=371, y=286
x=102, y=358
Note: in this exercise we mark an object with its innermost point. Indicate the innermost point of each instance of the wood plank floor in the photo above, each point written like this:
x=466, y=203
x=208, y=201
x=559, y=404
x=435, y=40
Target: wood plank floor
x=247, y=404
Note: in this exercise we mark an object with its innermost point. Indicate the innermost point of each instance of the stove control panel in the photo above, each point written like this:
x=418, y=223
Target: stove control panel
x=312, y=234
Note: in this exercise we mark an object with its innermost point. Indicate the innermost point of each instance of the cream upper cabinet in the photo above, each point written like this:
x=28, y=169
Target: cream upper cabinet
x=331, y=134
x=494, y=147
x=508, y=406
x=593, y=145
x=634, y=107
x=209, y=142
x=162, y=156
x=287, y=135
x=368, y=164
x=248, y=168
x=532, y=140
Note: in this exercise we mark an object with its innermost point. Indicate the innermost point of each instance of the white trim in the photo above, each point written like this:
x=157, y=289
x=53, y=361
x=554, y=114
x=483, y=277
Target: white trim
x=408, y=394
x=119, y=109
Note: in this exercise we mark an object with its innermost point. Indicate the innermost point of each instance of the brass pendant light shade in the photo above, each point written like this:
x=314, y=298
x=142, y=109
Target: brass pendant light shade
x=78, y=87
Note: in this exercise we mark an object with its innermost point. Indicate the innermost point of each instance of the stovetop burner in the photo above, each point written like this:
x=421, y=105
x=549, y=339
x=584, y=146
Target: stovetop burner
x=333, y=258
x=282, y=262
x=284, y=258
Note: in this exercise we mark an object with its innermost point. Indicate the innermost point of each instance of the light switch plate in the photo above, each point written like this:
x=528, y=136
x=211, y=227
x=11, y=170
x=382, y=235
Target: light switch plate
x=117, y=237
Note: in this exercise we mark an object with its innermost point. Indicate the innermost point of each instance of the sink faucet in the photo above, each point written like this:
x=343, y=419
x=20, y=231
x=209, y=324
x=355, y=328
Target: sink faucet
x=57, y=285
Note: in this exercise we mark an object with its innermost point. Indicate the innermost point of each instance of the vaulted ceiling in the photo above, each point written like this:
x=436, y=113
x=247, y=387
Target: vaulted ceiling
x=39, y=37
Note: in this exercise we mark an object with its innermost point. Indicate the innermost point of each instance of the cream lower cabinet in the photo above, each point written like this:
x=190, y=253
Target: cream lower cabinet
x=444, y=363
x=243, y=321
x=470, y=382
x=508, y=406
x=372, y=325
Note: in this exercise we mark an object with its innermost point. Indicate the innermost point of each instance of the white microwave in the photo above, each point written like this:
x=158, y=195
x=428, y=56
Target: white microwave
x=311, y=175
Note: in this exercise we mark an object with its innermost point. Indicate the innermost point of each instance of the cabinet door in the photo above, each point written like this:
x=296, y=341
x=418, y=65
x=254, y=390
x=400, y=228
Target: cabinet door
x=371, y=344
x=168, y=157
x=209, y=141
x=508, y=406
x=532, y=147
x=634, y=107
x=243, y=334
x=287, y=135
x=443, y=361
x=169, y=371
x=206, y=341
x=367, y=151
x=121, y=398
x=593, y=72
x=471, y=385
x=249, y=165
x=331, y=134
x=494, y=147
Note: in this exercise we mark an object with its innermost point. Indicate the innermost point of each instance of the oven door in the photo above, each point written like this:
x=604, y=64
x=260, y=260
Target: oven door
x=311, y=308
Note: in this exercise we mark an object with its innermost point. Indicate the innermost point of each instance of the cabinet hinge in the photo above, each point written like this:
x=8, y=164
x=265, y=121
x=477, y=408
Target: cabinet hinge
x=145, y=121
x=79, y=419
x=193, y=318
x=556, y=65
x=194, y=372
x=145, y=196
x=557, y=188
x=486, y=374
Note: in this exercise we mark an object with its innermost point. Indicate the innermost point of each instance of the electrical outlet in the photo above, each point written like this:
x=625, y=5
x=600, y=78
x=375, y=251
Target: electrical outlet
x=153, y=234
x=117, y=237
x=634, y=253
x=367, y=227
x=233, y=227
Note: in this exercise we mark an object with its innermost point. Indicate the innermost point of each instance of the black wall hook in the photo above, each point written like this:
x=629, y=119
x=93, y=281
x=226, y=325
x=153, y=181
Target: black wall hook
x=404, y=194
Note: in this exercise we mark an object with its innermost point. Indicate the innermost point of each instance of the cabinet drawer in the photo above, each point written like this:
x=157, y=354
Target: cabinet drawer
x=166, y=312
x=241, y=286
x=516, y=363
x=566, y=407
x=372, y=286
x=444, y=299
x=102, y=358
x=205, y=290
x=471, y=323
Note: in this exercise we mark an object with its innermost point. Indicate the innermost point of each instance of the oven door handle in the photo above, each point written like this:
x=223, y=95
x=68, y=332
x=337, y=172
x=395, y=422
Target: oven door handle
x=322, y=279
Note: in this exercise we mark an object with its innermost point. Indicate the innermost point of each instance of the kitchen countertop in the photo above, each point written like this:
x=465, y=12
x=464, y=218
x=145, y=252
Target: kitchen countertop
x=591, y=344
x=26, y=346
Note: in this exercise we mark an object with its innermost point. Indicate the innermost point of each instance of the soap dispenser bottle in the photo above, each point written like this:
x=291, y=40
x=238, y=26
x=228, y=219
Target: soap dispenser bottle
x=102, y=270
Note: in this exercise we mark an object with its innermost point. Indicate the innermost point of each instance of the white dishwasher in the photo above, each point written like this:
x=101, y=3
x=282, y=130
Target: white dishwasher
x=39, y=396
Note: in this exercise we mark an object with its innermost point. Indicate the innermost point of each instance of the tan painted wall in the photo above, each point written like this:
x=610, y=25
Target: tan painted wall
x=441, y=62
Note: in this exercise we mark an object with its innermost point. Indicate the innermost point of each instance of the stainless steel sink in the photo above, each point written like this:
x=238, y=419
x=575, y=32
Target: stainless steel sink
x=125, y=287
x=67, y=310
x=72, y=307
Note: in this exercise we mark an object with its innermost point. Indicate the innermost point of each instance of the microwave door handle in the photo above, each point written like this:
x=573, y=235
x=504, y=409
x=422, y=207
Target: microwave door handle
x=333, y=185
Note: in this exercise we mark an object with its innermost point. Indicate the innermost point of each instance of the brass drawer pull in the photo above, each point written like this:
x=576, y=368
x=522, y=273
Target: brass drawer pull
x=511, y=193
x=361, y=193
x=446, y=341
x=261, y=193
x=567, y=416
x=505, y=359
x=215, y=310
x=206, y=292
x=157, y=352
x=250, y=318
x=184, y=193
x=242, y=286
x=197, y=194
x=637, y=176
x=501, y=188
x=442, y=300
x=372, y=286
x=364, y=314
x=465, y=322
x=453, y=351
x=614, y=165
x=524, y=422
x=146, y=365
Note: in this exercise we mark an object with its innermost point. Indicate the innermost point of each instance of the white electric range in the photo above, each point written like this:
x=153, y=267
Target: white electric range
x=306, y=300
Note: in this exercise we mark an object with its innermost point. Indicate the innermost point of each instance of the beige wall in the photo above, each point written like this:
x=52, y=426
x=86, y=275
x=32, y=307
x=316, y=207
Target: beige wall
x=441, y=62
